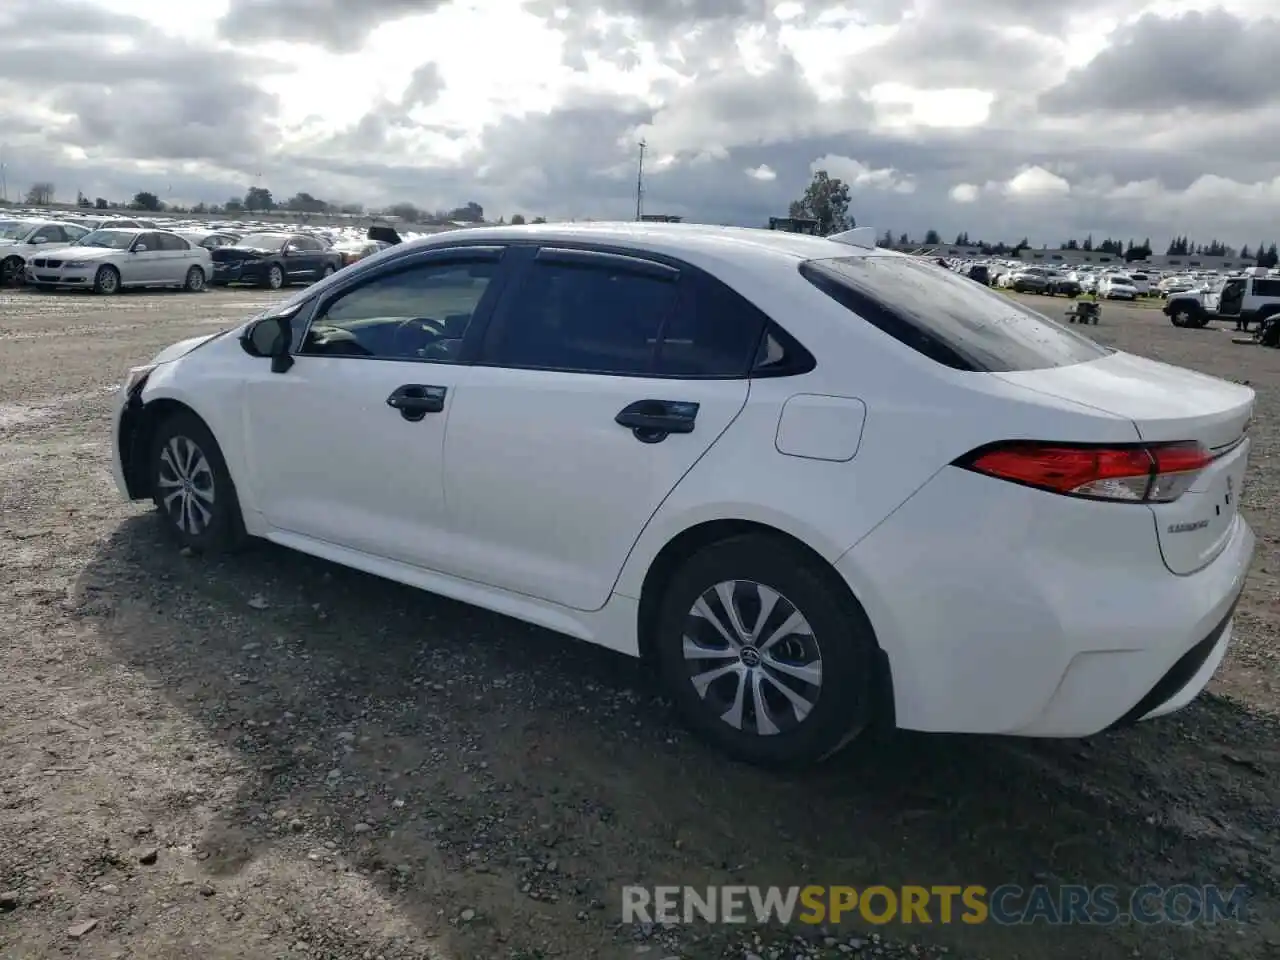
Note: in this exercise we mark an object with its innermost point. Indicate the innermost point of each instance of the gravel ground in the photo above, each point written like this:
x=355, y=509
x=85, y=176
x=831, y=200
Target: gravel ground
x=277, y=757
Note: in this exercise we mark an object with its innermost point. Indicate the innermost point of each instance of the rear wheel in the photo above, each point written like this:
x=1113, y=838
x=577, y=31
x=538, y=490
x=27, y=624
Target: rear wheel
x=106, y=281
x=764, y=655
x=195, y=280
x=327, y=272
x=192, y=488
x=275, y=276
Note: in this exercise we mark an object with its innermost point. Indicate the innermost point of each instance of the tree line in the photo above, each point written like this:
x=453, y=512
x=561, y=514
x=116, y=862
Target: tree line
x=261, y=200
x=826, y=201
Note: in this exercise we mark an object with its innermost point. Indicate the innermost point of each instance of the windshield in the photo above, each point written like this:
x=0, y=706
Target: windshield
x=264, y=241
x=13, y=229
x=111, y=239
x=956, y=323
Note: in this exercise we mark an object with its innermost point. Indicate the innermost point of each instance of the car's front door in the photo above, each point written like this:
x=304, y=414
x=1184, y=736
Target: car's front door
x=144, y=261
x=574, y=426
x=345, y=446
x=302, y=257
x=1231, y=299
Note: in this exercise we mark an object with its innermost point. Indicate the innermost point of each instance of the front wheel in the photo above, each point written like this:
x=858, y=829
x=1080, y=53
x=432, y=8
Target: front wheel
x=763, y=655
x=106, y=281
x=327, y=272
x=192, y=488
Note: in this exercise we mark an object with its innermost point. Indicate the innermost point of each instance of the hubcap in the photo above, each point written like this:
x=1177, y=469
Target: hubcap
x=186, y=484
x=108, y=281
x=752, y=657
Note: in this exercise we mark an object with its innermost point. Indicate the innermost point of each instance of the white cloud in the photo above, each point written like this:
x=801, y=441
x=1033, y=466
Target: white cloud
x=1037, y=182
x=861, y=176
x=964, y=193
x=762, y=172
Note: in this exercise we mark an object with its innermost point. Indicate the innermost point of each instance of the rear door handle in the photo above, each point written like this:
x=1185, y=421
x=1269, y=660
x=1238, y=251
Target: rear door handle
x=651, y=421
x=416, y=400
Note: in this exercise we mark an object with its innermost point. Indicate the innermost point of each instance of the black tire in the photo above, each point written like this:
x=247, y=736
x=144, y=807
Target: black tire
x=843, y=702
x=195, y=281
x=327, y=272
x=11, y=271
x=106, y=281
x=210, y=486
x=274, y=279
x=1182, y=317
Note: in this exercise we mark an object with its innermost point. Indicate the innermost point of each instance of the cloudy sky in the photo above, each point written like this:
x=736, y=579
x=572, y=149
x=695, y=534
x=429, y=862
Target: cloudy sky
x=1002, y=118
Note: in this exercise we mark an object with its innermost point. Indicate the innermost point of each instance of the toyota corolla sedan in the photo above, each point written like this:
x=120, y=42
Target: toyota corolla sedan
x=819, y=485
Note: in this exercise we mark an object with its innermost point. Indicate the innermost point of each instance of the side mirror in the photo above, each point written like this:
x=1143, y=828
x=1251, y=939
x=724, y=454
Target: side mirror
x=140, y=248
x=39, y=239
x=270, y=337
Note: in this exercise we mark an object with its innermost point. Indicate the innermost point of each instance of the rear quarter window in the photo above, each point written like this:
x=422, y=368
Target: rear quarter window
x=946, y=317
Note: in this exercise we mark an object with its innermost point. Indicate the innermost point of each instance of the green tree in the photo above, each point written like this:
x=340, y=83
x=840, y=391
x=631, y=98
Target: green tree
x=931, y=238
x=258, y=198
x=517, y=219
x=826, y=200
x=145, y=200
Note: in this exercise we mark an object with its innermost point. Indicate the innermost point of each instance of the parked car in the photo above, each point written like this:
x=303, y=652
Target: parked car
x=107, y=261
x=209, y=239
x=353, y=250
x=21, y=239
x=624, y=465
x=981, y=273
x=275, y=259
x=1064, y=285
x=1030, y=280
x=1117, y=286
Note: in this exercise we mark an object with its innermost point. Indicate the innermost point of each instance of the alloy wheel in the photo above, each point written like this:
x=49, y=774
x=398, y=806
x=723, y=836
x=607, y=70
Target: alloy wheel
x=752, y=657
x=186, y=486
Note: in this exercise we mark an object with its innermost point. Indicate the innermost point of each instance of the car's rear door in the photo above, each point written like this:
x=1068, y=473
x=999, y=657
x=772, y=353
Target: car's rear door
x=603, y=380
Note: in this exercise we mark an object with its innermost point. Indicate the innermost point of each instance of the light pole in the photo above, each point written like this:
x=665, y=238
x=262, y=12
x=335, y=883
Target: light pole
x=640, y=183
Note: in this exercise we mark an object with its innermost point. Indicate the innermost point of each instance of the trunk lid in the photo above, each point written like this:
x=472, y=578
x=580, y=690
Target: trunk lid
x=1169, y=404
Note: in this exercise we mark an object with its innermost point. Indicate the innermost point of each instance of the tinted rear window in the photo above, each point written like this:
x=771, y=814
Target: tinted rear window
x=947, y=317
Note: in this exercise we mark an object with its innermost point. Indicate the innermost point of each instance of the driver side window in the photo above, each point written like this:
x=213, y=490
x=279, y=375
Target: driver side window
x=420, y=313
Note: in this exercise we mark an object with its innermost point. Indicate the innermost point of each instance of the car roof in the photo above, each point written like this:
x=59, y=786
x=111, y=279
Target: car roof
x=671, y=239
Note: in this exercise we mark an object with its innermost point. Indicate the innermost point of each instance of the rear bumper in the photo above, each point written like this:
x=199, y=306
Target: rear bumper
x=1004, y=612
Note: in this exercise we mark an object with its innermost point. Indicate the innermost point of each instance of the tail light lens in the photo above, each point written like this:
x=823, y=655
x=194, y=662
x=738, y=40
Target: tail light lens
x=1148, y=473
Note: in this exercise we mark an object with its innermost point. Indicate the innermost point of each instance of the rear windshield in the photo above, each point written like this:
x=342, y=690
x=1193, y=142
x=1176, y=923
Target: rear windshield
x=947, y=317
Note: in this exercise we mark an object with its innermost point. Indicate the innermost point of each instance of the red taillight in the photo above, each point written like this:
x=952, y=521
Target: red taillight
x=1154, y=473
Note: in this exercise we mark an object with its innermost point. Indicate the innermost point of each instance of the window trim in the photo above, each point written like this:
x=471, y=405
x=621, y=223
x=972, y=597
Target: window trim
x=582, y=253
x=471, y=340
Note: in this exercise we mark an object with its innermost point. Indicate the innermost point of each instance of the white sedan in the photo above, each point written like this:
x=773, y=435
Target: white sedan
x=22, y=238
x=107, y=261
x=819, y=484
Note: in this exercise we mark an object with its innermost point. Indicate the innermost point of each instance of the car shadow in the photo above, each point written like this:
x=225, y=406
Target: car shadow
x=443, y=750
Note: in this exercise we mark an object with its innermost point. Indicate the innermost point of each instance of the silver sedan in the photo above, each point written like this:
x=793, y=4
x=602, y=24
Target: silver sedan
x=106, y=261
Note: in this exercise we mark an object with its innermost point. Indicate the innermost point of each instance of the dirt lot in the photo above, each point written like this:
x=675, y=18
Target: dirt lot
x=279, y=758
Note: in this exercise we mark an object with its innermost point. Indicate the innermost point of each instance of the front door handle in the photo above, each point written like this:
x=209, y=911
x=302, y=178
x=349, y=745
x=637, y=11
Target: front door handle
x=416, y=400
x=652, y=421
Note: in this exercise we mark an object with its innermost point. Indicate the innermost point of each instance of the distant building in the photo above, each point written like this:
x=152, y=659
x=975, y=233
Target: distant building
x=1194, y=261
x=660, y=218
x=794, y=224
x=940, y=249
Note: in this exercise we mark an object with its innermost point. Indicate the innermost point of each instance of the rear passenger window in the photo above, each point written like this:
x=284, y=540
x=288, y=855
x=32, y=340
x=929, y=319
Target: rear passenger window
x=714, y=333
x=584, y=318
